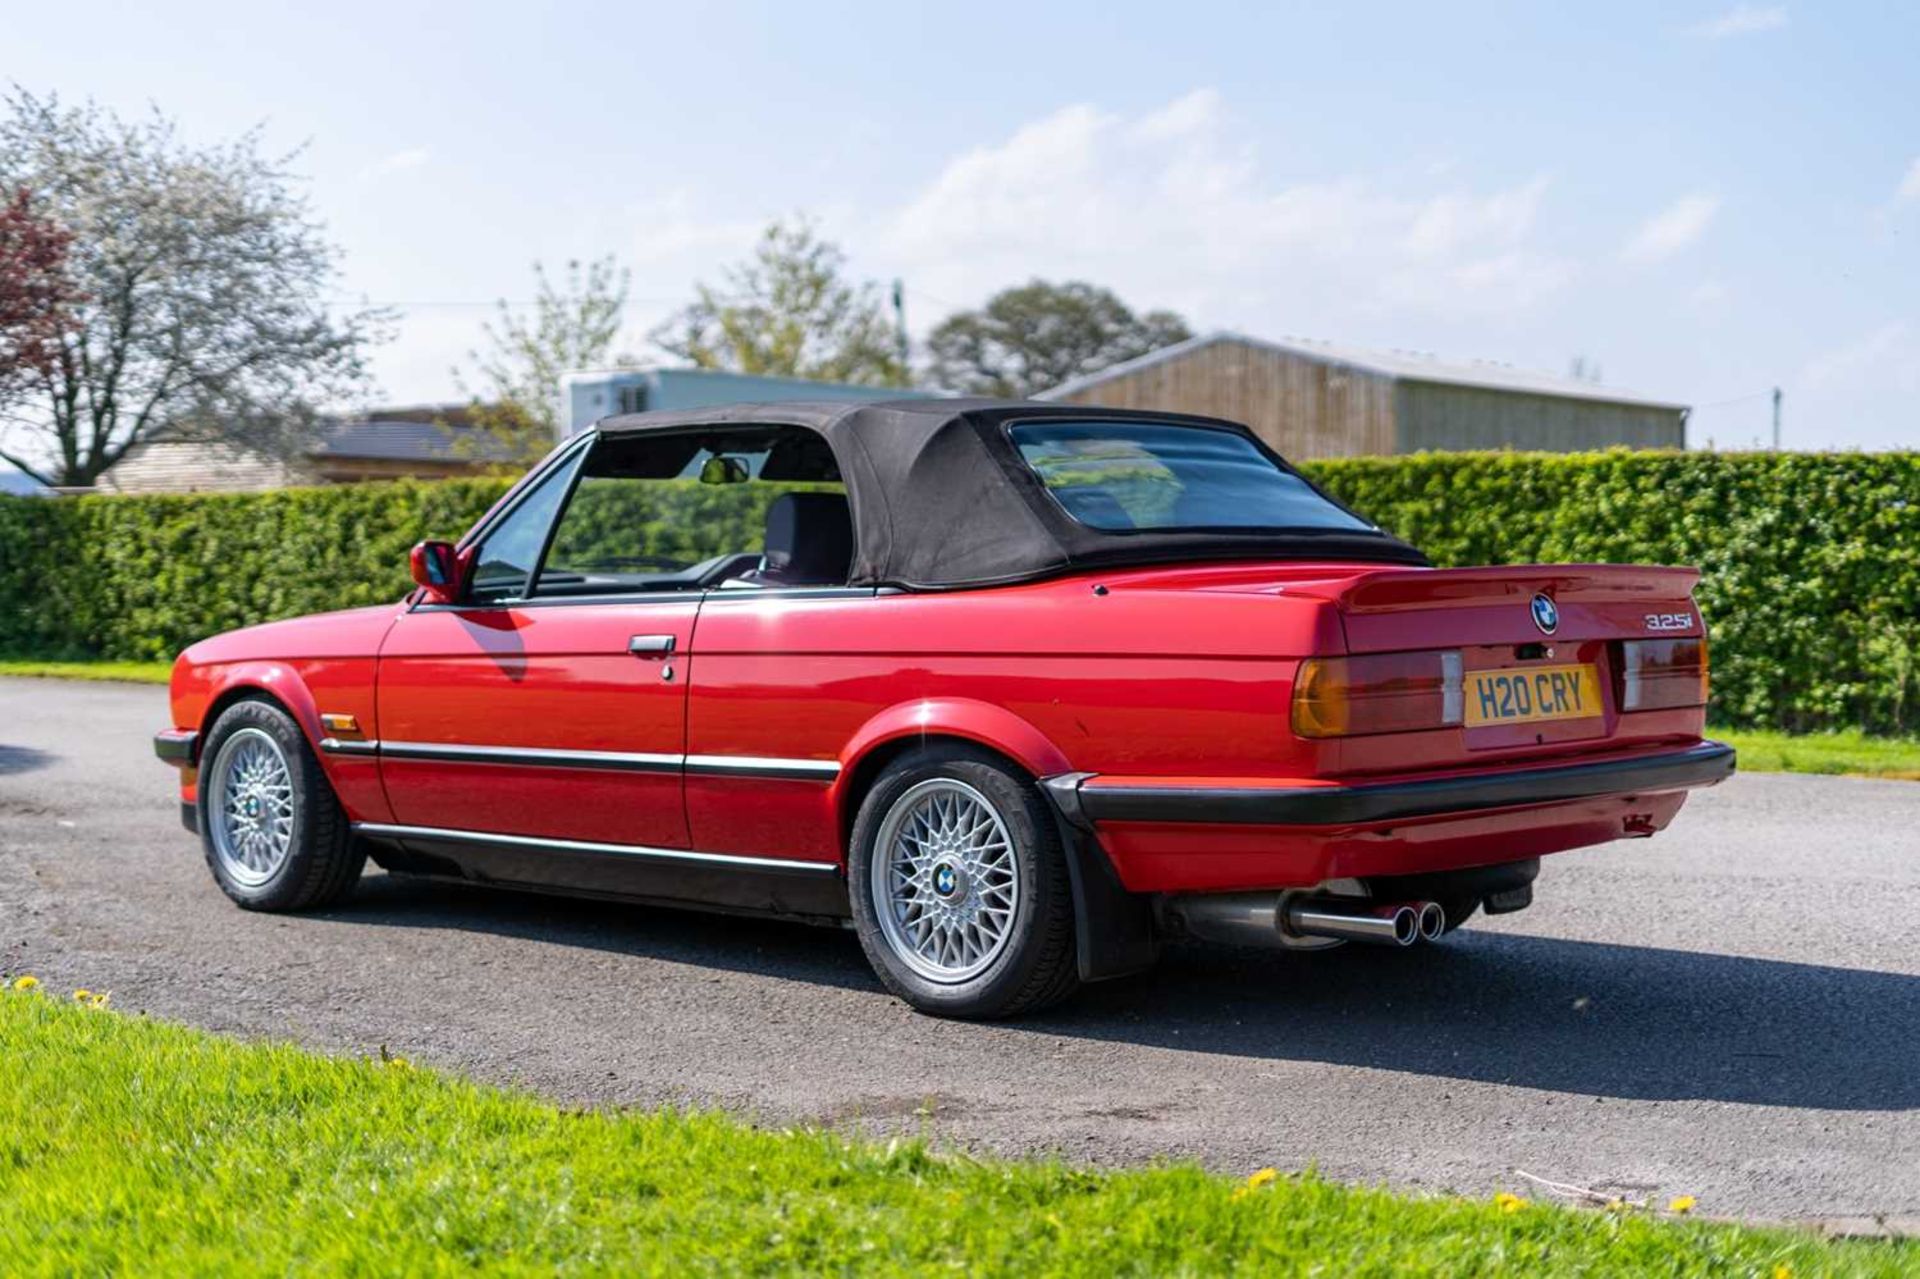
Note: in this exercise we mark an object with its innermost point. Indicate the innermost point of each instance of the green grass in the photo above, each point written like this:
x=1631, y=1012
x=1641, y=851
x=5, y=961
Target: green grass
x=134, y=1146
x=125, y=672
x=1852, y=752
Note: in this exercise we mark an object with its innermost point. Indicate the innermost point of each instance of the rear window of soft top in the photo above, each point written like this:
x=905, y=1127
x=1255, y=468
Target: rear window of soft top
x=1123, y=476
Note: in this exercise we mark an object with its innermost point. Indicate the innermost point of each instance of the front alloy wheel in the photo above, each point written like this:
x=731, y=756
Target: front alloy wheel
x=251, y=808
x=275, y=836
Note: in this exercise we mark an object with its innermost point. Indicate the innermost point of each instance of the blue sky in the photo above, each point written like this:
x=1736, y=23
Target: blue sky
x=1706, y=200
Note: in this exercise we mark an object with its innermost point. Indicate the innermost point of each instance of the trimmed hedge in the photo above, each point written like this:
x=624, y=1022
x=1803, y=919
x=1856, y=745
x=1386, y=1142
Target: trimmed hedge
x=143, y=577
x=1812, y=561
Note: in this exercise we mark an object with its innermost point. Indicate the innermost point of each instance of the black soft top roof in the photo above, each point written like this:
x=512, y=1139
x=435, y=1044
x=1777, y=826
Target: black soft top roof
x=941, y=497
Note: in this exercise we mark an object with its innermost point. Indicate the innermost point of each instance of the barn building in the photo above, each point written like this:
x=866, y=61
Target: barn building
x=1314, y=399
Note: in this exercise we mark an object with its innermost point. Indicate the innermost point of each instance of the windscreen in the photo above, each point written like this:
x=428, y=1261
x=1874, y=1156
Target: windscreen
x=1119, y=476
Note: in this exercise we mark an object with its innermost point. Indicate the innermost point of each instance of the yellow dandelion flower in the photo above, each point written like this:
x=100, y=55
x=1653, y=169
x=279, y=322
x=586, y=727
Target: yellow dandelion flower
x=1265, y=1177
x=1681, y=1203
x=1783, y=1271
x=98, y=1000
x=82, y=996
x=1508, y=1203
x=26, y=982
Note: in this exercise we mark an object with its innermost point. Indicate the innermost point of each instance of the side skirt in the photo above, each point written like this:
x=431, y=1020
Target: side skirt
x=662, y=876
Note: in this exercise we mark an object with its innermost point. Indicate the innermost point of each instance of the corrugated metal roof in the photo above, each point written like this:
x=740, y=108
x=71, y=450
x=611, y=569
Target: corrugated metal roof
x=1406, y=366
x=396, y=441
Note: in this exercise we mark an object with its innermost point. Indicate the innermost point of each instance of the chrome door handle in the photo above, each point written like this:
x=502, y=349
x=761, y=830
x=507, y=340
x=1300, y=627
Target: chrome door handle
x=650, y=645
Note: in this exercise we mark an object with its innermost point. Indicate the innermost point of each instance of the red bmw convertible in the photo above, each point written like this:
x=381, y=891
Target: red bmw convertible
x=1020, y=690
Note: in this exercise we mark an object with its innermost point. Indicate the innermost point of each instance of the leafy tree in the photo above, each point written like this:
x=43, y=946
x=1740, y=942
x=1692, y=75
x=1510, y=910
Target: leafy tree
x=1029, y=339
x=35, y=292
x=789, y=311
x=202, y=311
x=517, y=402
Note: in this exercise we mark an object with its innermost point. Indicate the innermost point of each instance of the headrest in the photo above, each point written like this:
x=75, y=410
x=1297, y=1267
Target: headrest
x=809, y=540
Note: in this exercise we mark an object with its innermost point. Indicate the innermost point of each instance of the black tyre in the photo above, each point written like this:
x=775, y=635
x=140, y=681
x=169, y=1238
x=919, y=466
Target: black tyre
x=959, y=887
x=275, y=836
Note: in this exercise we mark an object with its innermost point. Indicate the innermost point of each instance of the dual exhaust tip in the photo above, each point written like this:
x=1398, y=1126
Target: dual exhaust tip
x=1393, y=924
x=1299, y=921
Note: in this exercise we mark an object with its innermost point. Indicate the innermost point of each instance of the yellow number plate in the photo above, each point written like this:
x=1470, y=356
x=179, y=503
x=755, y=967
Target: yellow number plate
x=1531, y=695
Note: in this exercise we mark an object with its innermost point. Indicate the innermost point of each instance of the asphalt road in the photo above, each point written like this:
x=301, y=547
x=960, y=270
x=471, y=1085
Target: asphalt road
x=1731, y=1010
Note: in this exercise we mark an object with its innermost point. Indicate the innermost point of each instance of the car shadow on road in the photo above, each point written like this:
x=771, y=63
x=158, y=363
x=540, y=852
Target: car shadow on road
x=1607, y=1021
x=1588, y=1018
x=23, y=759
x=820, y=956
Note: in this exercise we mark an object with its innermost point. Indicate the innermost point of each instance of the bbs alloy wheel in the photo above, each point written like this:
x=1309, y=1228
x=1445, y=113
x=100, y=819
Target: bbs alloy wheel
x=275, y=836
x=946, y=884
x=959, y=886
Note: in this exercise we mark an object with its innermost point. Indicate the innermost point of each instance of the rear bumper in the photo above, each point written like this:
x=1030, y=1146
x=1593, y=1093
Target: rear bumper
x=177, y=746
x=1163, y=837
x=1701, y=765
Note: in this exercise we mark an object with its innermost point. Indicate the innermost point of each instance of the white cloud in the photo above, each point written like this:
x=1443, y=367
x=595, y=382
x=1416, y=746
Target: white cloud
x=1888, y=356
x=1672, y=229
x=1909, y=188
x=1174, y=207
x=398, y=162
x=1742, y=20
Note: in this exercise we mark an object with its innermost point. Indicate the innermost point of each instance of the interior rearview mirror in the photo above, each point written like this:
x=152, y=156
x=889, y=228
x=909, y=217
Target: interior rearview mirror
x=435, y=567
x=721, y=469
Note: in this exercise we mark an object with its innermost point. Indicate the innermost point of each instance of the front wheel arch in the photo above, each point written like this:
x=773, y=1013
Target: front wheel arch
x=271, y=682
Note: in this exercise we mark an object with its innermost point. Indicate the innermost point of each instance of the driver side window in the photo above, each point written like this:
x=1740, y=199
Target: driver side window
x=686, y=511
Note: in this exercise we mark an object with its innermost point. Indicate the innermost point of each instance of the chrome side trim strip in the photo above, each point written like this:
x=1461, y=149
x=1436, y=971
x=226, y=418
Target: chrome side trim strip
x=800, y=770
x=623, y=761
x=383, y=830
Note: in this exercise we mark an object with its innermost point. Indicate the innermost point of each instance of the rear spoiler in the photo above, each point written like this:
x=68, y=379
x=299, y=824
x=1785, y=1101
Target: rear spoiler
x=1397, y=590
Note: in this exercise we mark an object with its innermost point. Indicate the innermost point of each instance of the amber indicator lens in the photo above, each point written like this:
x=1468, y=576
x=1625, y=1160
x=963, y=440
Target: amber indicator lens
x=1378, y=693
x=1658, y=674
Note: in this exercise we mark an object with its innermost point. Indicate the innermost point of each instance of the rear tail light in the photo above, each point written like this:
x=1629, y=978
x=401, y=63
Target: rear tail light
x=1663, y=673
x=1384, y=693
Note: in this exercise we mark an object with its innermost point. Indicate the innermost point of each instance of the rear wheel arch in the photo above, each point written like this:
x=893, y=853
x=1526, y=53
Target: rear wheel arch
x=1115, y=928
x=961, y=722
x=859, y=780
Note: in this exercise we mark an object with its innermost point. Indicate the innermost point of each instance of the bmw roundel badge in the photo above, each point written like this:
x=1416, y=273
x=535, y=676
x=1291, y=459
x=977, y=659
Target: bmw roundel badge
x=1546, y=615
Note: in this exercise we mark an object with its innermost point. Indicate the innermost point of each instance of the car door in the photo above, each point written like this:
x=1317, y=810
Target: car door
x=548, y=704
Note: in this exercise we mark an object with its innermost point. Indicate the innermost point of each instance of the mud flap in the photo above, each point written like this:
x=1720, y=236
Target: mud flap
x=1113, y=929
